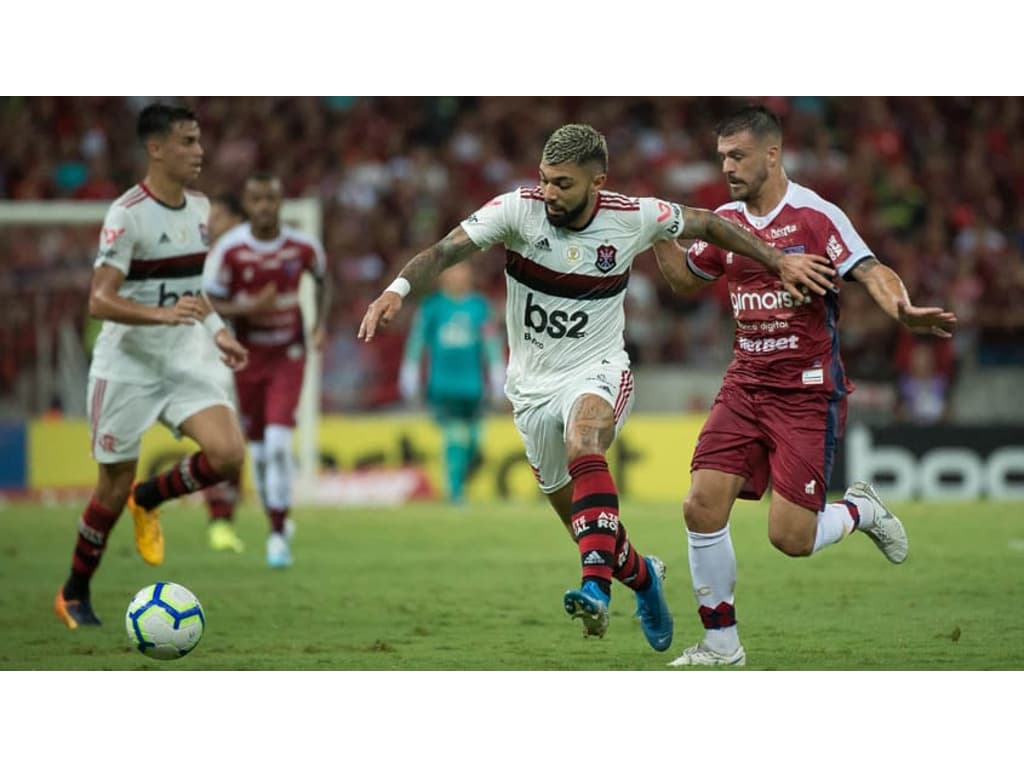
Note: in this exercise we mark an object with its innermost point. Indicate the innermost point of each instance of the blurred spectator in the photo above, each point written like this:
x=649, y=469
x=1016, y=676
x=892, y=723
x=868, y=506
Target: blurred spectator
x=923, y=389
x=98, y=185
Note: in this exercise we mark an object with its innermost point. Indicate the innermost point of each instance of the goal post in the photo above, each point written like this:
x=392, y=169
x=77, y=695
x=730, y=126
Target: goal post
x=304, y=213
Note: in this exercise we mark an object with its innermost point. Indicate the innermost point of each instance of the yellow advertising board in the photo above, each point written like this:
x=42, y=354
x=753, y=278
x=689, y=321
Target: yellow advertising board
x=650, y=459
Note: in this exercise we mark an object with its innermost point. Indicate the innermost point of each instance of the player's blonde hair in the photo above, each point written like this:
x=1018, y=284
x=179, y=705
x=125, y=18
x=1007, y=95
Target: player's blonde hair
x=576, y=143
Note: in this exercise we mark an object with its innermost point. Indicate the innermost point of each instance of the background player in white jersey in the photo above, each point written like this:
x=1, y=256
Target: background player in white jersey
x=156, y=356
x=782, y=406
x=252, y=276
x=226, y=212
x=569, y=247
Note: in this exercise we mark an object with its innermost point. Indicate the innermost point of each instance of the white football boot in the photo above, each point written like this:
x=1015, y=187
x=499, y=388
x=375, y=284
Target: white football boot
x=700, y=655
x=279, y=551
x=886, y=531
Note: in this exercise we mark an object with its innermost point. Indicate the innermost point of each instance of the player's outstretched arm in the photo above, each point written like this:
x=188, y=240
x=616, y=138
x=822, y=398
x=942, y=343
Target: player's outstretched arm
x=888, y=291
x=417, y=275
x=672, y=263
x=797, y=271
x=105, y=303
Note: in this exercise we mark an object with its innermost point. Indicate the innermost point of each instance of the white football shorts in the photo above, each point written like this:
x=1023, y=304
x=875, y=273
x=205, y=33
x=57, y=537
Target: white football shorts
x=542, y=423
x=120, y=412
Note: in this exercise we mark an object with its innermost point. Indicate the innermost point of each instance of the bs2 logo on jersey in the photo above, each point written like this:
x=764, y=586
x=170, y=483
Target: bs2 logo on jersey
x=555, y=323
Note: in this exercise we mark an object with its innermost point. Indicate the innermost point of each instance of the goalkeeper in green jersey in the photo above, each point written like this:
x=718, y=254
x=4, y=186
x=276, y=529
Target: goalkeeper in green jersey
x=465, y=367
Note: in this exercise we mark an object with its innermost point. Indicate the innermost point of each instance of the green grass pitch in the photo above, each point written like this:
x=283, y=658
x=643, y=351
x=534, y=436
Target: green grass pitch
x=431, y=587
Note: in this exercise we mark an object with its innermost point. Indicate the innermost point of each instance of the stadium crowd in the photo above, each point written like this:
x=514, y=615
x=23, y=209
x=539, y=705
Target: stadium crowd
x=935, y=185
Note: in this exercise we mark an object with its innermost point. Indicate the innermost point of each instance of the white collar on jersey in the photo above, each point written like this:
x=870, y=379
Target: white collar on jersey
x=760, y=222
x=264, y=246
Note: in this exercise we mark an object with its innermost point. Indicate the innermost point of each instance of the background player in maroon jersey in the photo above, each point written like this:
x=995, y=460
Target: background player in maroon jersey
x=252, y=275
x=226, y=212
x=782, y=406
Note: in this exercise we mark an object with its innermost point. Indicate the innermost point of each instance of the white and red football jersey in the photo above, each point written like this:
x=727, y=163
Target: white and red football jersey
x=566, y=287
x=160, y=250
x=780, y=343
x=240, y=266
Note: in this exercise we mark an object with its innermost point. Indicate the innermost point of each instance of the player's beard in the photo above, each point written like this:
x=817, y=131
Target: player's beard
x=566, y=217
x=750, y=188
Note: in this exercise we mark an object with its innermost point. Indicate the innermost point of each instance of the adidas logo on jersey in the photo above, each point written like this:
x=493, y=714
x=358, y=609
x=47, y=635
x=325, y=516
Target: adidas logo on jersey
x=542, y=244
x=164, y=238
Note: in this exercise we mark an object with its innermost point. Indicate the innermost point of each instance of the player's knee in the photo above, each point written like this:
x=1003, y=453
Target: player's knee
x=701, y=515
x=277, y=441
x=575, y=449
x=114, y=486
x=113, y=497
x=226, y=458
x=792, y=542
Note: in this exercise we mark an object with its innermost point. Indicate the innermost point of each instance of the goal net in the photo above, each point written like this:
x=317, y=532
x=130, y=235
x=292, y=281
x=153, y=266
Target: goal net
x=51, y=225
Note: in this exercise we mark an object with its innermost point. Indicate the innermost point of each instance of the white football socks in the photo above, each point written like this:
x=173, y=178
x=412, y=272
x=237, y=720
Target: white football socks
x=713, y=572
x=278, y=489
x=834, y=523
x=258, y=456
x=865, y=507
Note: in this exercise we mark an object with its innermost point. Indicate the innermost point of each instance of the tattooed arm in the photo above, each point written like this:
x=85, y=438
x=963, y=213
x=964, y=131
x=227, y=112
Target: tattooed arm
x=888, y=291
x=420, y=272
x=672, y=263
x=425, y=266
x=797, y=271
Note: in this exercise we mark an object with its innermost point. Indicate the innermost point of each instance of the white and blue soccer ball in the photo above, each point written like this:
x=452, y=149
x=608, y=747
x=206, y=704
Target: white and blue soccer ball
x=165, y=620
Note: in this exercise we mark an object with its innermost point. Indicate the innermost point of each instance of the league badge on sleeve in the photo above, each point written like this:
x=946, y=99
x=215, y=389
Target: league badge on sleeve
x=110, y=234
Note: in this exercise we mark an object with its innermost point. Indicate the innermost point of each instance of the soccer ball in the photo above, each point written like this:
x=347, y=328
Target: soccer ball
x=165, y=620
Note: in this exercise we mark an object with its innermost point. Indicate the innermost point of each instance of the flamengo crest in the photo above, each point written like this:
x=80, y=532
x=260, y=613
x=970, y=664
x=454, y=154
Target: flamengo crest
x=605, y=258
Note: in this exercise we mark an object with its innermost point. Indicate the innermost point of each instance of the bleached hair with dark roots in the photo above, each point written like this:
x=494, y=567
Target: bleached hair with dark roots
x=576, y=143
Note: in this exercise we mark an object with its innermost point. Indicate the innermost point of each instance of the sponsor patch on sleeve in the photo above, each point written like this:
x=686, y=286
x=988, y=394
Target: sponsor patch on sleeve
x=813, y=376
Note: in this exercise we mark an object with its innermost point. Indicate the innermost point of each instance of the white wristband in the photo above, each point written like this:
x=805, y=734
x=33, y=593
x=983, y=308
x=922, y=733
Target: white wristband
x=400, y=286
x=213, y=323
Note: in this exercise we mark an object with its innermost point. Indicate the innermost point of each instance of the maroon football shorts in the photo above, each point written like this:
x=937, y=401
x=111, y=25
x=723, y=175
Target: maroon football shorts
x=785, y=438
x=268, y=391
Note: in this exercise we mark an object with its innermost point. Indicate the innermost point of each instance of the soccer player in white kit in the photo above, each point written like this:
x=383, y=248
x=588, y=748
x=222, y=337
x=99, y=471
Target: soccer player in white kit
x=569, y=248
x=157, y=355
